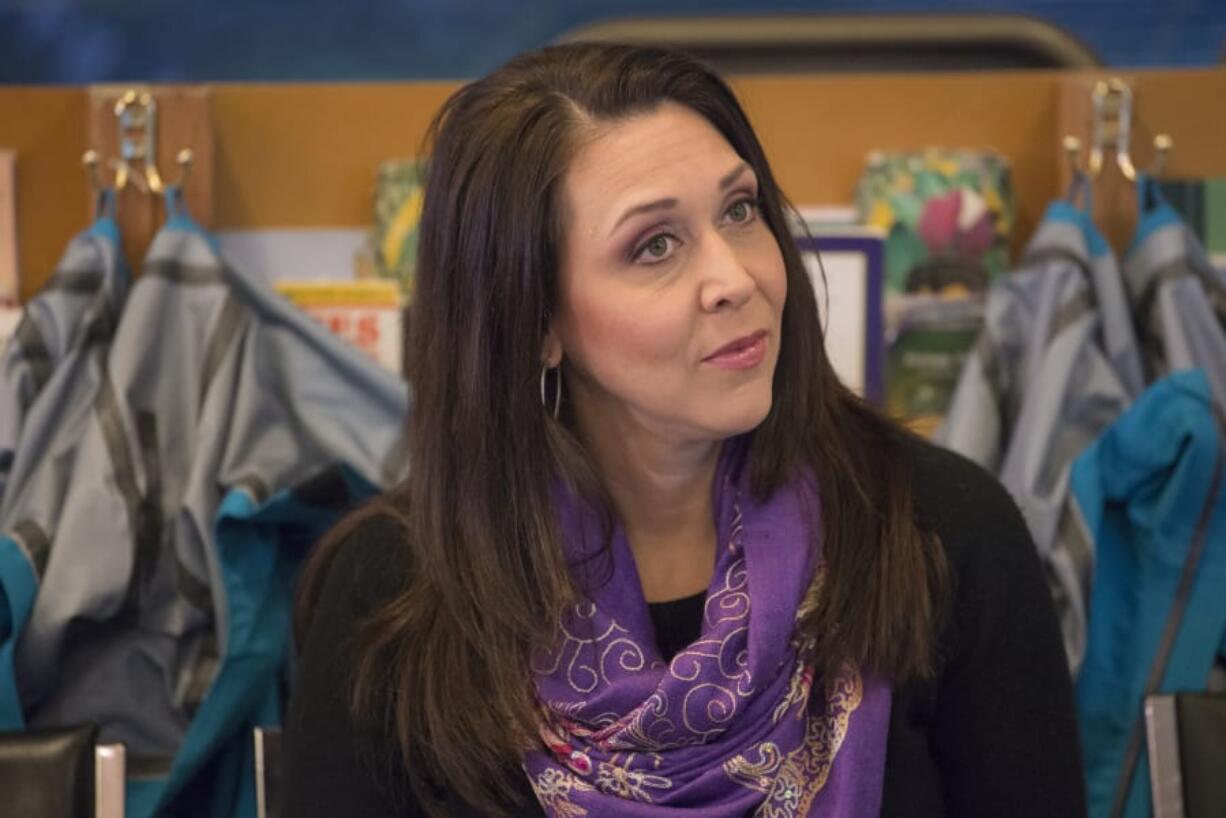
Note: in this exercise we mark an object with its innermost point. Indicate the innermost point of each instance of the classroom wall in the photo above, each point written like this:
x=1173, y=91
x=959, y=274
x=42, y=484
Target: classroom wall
x=304, y=155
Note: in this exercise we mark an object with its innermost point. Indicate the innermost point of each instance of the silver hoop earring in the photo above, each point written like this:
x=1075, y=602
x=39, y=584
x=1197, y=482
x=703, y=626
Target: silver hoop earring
x=557, y=392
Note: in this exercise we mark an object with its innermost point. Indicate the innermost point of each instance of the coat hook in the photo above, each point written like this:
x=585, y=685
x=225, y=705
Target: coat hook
x=136, y=113
x=1072, y=153
x=1111, y=102
x=184, y=159
x=1163, y=145
x=91, y=161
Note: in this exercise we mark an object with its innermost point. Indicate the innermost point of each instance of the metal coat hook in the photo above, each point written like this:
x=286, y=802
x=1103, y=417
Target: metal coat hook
x=1111, y=130
x=1163, y=145
x=137, y=116
x=136, y=113
x=184, y=160
x=91, y=160
x=1078, y=191
x=1112, y=111
x=1072, y=153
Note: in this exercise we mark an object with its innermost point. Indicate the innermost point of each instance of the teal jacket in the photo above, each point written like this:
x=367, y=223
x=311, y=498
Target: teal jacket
x=1142, y=488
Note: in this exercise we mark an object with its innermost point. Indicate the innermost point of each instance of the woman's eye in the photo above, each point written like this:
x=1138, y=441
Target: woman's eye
x=742, y=211
x=655, y=249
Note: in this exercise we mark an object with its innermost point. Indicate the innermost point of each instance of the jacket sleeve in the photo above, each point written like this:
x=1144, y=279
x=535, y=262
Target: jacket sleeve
x=332, y=766
x=1005, y=731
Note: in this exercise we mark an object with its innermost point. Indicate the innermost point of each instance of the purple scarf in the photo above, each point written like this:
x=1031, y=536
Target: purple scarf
x=730, y=726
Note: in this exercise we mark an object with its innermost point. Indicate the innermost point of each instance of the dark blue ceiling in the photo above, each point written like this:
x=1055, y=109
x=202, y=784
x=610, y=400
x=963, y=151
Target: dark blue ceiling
x=168, y=40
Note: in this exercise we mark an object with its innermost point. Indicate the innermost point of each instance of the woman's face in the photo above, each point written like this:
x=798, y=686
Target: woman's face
x=672, y=285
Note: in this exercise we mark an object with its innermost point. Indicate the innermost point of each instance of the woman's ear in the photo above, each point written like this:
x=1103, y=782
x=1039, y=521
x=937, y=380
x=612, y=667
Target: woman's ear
x=551, y=348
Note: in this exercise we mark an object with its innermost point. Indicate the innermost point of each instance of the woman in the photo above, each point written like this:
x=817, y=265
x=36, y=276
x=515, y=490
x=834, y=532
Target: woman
x=652, y=555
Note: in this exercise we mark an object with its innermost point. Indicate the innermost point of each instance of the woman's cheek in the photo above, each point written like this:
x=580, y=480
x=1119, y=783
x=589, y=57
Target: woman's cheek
x=631, y=327
x=766, y=259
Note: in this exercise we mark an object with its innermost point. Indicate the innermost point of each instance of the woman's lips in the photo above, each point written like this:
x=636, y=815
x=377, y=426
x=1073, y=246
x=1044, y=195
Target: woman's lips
x=743, y=353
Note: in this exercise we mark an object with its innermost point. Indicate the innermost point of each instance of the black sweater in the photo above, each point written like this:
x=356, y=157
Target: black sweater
x=992, y=735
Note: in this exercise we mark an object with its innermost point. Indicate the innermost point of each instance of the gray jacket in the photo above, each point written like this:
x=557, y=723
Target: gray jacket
x=1177, y=296
x=1055, y=365
x=61, y=328
x=161, y=612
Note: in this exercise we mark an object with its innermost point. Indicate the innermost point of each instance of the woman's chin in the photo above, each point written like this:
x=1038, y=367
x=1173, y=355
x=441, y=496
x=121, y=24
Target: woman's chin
x=739, y=417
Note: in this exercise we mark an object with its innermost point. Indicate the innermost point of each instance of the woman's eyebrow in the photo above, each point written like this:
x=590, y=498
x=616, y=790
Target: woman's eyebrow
x=727, y=181
x=658, y=204
x=666, y=204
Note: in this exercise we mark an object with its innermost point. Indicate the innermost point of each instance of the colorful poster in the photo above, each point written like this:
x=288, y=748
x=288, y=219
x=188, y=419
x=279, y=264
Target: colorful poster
x=948, y=215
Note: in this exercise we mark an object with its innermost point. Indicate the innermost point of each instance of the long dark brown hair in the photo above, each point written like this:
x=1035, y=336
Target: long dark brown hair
x=445, y=662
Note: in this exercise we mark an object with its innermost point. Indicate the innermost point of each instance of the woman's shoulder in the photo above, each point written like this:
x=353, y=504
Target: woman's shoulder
x=965, y=506
x=336, y=763
x=999, y=714
x=370, y=539
x=362, y=564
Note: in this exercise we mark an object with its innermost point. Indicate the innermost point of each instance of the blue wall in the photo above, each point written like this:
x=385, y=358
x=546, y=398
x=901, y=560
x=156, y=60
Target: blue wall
x=167, y=40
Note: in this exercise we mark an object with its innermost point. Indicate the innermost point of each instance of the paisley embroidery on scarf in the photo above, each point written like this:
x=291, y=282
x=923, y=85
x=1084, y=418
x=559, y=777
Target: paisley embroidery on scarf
x=591, y=662
x=792, y=782
x=553, y=790
x=798, y=693
x=619, y=778
x=617, y=723
x=660, y=722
